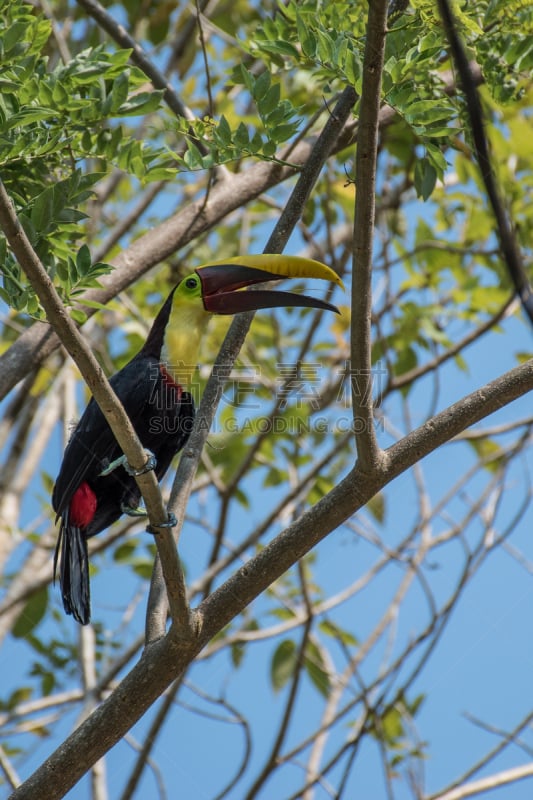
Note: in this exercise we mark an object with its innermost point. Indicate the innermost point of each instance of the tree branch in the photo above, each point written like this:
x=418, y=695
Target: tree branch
x=138, y=56
x=118, y=421
x=503, y=778
x=368, y=451
x=504, y=228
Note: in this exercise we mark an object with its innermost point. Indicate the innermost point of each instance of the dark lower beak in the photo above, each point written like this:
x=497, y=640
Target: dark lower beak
x=222, y=285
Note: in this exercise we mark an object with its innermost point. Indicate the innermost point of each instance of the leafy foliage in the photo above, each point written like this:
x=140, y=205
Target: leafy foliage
x=93, y=159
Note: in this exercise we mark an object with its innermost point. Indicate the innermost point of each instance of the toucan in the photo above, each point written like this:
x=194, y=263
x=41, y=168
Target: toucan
x=95, y=485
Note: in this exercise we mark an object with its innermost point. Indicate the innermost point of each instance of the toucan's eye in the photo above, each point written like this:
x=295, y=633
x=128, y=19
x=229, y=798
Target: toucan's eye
x=191, y=283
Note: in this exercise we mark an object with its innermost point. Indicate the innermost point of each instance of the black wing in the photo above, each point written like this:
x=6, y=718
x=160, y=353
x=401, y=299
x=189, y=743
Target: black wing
x=159, y=415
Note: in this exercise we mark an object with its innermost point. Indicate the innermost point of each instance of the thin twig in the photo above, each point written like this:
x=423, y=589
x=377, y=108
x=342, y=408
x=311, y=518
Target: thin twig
x=297, y=675
x=483, y=785
x=8, y=769
x=138, y=56
x=504, y=228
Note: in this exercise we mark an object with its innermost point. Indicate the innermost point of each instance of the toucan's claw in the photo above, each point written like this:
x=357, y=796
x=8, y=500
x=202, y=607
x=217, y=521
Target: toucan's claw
x=150, y=464
x=139, y=511
x=170, y=523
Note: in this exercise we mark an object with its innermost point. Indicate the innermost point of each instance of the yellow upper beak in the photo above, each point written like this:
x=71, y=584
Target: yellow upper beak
x=284, y=267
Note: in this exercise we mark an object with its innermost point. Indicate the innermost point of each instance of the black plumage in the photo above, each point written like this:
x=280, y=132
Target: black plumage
x=162, y=415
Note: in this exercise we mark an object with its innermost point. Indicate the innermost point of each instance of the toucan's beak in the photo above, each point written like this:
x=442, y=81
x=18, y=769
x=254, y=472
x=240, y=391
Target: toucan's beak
x=223, y=280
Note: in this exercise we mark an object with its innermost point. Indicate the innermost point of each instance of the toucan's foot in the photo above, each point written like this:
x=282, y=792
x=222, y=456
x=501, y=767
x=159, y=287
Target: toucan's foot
x=139, y=511
x=150, y=464
x=170, y=523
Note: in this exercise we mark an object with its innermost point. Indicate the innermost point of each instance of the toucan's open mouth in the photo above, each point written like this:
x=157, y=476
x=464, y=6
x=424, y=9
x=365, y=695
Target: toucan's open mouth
x=223, y=281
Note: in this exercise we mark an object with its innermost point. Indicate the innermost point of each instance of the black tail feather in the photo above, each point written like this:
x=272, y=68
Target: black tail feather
x=73, y=571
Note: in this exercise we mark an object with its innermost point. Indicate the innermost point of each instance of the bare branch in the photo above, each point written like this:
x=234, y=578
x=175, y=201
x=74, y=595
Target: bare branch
x=8, y=769
x=503, y=778
x=368, y=452
x=508, y=241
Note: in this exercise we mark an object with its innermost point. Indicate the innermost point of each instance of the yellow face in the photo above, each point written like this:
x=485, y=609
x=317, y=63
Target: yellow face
x=186, y=325
x=189, y=290
x=224, y=292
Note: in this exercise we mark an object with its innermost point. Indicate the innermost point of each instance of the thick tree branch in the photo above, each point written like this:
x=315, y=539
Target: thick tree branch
x=118, y=421
x=355, y=491
x=368, y=451
x=167, y=658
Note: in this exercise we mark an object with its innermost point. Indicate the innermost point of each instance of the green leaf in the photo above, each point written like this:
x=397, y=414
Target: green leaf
x=376, y=506
x=270, y=101
x=237, y=651
x=60, y=96
x=83, y=260
x=119, y=92
x=261, y=86
x=242, y=137
x=305, y=37
x=31, y=614
x=283, y=664
x=489, y=452
x=143, y=567
x=126, y=550
x=425, y=178
x=332, y=629
x=78, y=315
x=193, y=158
x=247, y=78
x=140, y=104
x=275, y=477
x=241, y=497
x=316, y=668
x=223, y=131
x=19, y=696
x=283, y=132
x=391, y=725
x=93, y=304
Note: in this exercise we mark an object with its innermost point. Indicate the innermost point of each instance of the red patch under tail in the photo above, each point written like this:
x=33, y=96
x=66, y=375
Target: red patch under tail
x=82, y=506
